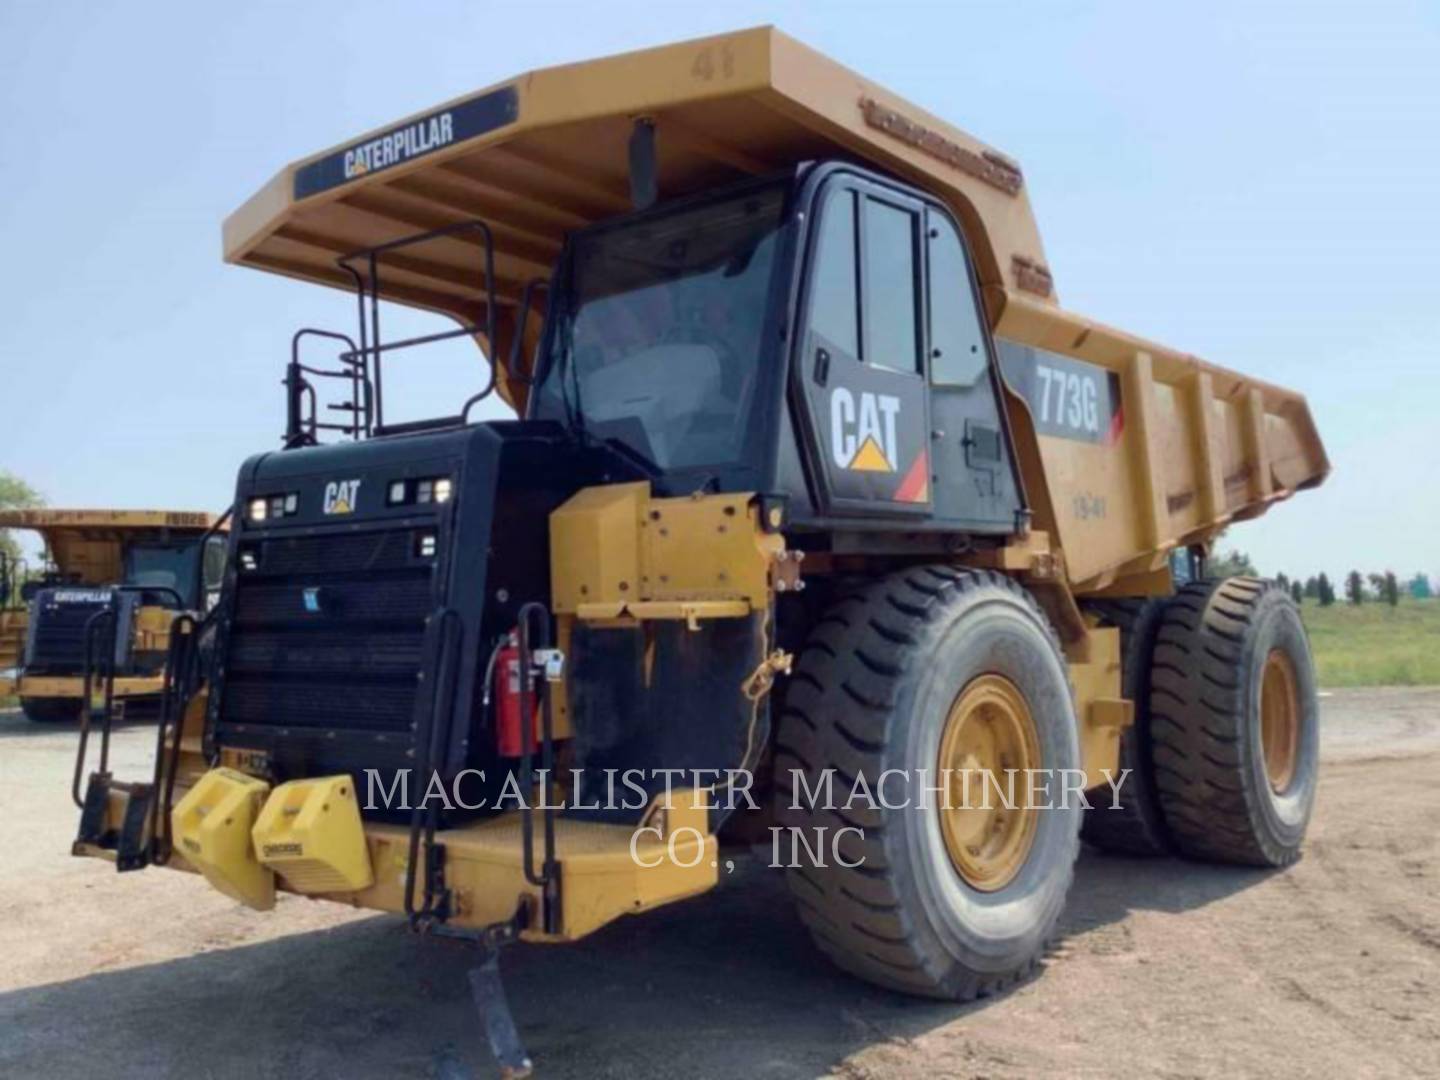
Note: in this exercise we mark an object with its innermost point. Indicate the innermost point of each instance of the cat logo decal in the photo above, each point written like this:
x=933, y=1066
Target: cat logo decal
x=340, y=496
x=862, y=432
x=863, y=439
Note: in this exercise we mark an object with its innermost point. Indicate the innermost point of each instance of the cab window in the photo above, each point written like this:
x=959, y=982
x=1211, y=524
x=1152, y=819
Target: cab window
x=956, y=338
x=891, y=296
x=835, y=313
x=865, y=284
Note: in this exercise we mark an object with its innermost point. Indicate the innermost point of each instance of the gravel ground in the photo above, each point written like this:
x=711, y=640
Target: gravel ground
x=1165, y=968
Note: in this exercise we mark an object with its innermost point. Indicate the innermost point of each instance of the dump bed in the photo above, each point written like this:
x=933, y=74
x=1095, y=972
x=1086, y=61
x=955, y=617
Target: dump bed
x=86, y=544
x=1186, y=447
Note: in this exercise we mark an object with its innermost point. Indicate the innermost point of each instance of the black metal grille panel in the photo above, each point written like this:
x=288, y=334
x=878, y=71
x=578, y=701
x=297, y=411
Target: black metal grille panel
x=351, y=666
x=59, y=636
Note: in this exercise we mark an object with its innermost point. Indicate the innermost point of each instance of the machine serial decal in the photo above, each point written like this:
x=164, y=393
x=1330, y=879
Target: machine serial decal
x=862, y=435
x=340, y=496
x=424, y=135
x=1068, y=398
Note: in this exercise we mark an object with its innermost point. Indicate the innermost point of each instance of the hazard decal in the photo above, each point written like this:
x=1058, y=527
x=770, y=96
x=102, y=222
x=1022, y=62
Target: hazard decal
x=915, y=487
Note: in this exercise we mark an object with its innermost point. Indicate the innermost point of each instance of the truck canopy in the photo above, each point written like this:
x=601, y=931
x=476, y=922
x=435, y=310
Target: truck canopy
x=547, y=152
x=86, y=545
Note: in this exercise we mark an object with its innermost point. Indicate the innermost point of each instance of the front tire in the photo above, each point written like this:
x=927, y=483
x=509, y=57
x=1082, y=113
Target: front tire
x=876, y=692
x=51, y=710
x=1235, y=722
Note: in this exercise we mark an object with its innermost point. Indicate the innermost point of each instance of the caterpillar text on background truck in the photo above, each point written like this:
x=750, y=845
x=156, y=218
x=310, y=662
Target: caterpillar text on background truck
x=814, y=476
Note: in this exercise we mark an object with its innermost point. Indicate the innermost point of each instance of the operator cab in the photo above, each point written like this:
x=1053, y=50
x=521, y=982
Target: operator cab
x=816, y=335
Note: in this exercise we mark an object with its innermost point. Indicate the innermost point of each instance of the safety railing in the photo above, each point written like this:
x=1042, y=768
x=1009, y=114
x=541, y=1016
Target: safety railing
x=365, y=266
x=444, y=636
x=534, y=641
x=184, y=675
x=100, y=643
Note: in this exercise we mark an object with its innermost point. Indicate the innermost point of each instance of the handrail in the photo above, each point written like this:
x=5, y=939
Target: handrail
x=368, y=292
x=534, y=614
x=297, y=428
x=182, y=680
x=517, y=342
x=104, y=617
x=444, y=645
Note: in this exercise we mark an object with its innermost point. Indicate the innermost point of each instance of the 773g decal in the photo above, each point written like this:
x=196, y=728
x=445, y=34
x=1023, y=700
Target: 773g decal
x=1068, y=398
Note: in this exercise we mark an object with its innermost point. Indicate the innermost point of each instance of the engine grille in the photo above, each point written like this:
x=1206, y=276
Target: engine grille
x=353, y=665
x=58, y=637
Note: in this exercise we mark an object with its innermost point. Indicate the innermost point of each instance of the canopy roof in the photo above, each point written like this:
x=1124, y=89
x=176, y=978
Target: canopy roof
x=108, y=524
x=546, y=152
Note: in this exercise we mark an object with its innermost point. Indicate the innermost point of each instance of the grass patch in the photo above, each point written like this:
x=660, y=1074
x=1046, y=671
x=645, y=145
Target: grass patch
x=1375, y=644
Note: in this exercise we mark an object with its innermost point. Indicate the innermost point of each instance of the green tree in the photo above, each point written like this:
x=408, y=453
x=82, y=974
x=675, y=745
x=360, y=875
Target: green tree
x=1354, y=587
x=15, y=494
x=1231, y=564
x=1324, y=591
x=1312, y=587
x=1420, y=587
x=1297, y=593
x=1392, y=589
x=1282, y=581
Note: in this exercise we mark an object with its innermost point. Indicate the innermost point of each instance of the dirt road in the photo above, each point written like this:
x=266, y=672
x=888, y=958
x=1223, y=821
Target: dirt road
x=1165, y=969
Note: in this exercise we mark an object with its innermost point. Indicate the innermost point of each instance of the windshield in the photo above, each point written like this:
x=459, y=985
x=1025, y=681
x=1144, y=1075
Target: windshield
x=169, y=566
x=658, y=338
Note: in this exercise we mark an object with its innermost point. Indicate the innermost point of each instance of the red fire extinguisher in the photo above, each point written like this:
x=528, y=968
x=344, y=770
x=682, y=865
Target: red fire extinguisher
x=508, y=672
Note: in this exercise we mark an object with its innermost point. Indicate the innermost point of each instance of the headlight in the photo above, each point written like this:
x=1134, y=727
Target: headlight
x=419, y=492
x=273, y=507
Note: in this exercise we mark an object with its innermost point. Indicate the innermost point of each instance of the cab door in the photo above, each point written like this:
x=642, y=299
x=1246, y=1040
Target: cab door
x=861, y=362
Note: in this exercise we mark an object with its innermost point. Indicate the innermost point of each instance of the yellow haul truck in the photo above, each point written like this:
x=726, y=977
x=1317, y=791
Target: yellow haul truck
x=814, y=481
x=111, y=583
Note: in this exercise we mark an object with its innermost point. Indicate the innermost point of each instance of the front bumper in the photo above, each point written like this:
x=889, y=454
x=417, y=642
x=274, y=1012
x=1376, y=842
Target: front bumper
x=73, y=686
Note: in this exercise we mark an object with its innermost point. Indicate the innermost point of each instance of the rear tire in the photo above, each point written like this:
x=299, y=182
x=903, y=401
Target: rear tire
x=875, y=689
x=51, y=710
x=1136, y=826
x=1232, y=672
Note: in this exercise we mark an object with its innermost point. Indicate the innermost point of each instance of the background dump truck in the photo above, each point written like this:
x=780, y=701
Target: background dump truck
x=813, y=477
x=110, y=584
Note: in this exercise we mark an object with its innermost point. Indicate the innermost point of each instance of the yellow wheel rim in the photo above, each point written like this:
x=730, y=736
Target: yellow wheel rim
x=1279, y=719
x=988, y=733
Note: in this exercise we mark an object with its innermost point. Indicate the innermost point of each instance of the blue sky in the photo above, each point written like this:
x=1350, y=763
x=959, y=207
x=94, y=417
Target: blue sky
x=1258, y=184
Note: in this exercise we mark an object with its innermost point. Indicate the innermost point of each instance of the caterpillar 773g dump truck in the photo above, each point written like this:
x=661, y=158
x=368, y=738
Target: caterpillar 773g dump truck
x=111, y=584
x=813, y=481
